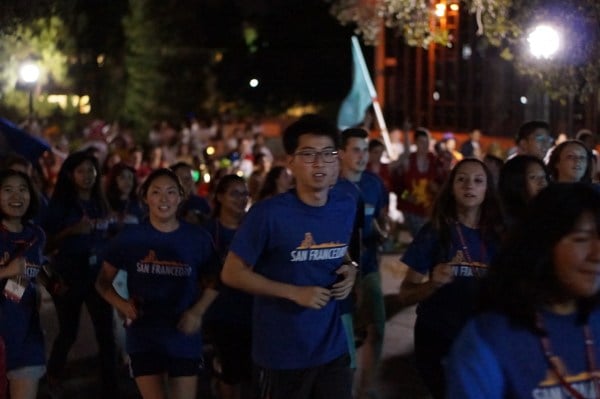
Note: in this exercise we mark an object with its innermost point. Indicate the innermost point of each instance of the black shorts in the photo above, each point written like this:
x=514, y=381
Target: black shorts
x=327, y=381
x=147, y=363
x=233, y=351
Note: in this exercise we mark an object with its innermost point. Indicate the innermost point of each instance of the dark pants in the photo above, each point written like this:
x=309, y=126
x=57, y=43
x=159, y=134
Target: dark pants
x=430, y=349
x=327, y=381
x=68, y=309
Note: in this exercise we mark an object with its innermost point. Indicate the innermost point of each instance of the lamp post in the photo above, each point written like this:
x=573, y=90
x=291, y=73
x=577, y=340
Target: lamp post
x=544, y=42
x=30, y=73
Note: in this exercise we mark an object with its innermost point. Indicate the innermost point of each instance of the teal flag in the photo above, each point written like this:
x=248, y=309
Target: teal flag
x=353, y=108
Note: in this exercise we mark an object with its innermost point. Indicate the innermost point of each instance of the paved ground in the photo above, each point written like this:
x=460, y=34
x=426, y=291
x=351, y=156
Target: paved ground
x=398, y=379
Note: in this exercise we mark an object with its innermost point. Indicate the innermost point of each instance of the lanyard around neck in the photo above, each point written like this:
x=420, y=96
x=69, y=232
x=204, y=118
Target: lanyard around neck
x=551, y=356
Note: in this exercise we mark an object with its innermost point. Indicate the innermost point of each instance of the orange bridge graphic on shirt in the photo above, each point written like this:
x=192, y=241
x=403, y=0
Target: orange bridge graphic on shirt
x=550, y=387
x=150, y=264
x=309, y=250
x=461, y=267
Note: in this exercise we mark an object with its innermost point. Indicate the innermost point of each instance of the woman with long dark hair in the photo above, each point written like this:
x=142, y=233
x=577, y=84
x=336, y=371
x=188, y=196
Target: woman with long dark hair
x=228, y=321
x=77, y=225
x=538, y=336
x=21, y=258
x=445, y=261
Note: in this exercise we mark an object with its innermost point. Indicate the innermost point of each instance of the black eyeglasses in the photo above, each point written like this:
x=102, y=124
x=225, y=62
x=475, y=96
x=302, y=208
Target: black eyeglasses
x=310, y=156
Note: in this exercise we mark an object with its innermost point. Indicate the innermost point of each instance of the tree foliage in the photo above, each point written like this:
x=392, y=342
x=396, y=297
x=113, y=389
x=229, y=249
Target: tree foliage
x=43, y=41
x=573, y=72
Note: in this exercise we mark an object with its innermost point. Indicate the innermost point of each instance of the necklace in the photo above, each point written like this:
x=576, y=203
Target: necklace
x=467, y=253
x=590, y=356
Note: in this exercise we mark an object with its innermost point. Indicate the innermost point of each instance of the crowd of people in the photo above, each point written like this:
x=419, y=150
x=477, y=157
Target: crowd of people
x=213, y=239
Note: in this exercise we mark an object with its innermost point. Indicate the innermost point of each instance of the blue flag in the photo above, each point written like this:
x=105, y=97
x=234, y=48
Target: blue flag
x=353, y=108
x=15, y=139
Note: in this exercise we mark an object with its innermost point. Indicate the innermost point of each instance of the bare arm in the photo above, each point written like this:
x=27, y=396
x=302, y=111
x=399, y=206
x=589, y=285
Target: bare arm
x=104, y=286
x=417, y=287
x=191, y=320
x=14, y=268
x=237, y=274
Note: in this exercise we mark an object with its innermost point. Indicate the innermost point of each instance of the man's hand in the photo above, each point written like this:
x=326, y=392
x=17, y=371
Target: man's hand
x=311, y=296
x=342, y=288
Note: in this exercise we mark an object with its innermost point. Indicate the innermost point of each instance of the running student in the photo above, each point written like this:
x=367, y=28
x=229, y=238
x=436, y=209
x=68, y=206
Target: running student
x=445, y=261
x=290, y=251
x=21, y=247
x=164, y=259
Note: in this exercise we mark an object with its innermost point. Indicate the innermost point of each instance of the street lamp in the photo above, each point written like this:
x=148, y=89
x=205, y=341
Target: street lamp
x=544, y=41
x=30, y=74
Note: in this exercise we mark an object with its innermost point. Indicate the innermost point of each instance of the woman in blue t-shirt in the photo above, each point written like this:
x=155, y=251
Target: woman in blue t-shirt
x=228, y=321
x=538, y=337
x=445, y=261
x=77, y=224
x=121, y=193
x=164, y=259
x=21, y=246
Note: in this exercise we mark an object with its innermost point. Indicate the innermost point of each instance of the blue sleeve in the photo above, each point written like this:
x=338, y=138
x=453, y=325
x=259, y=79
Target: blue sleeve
x=471, y=368
x=421, y=253
x=252, y=236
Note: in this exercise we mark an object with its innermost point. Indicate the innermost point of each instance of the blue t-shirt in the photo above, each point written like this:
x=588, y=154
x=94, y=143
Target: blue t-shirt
x=448, y=308
x=79, y=256
x=231, y=305
x=163, y=273
x=20, y=322
x=288, y=241
x=495, y=359
x=195, y=203
x=371, y=191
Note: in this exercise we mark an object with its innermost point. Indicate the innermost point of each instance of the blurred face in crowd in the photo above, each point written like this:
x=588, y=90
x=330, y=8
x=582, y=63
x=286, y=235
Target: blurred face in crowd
x=537, y=143
x=186, y=179
x=469, y=185
x=536, y=179
x=375, y=154
x=84, y=176
x=125, y=181
x=355, y=155
x=284, y=181
x=572, y=163
x=577, y=260
x=422, y=143
x=235, y=199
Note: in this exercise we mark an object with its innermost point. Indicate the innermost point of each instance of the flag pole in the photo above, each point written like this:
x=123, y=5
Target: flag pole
x=376, y=106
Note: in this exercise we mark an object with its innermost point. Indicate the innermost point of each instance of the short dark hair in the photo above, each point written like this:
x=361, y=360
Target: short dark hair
x=34, y=201
x=522, y=277
x=374, y=143
x=180, y=165
x=421, y=132
x=309, y=124
x=351, y=132
x=527, y=129
x=13, y=159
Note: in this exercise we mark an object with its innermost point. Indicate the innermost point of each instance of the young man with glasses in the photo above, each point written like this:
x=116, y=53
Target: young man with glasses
x=291, y=252
x=533, y=138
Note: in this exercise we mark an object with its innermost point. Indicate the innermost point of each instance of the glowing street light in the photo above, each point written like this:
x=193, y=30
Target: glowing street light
x=544, y=41
x=30, y=73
